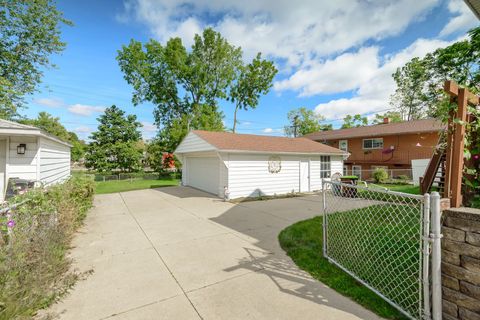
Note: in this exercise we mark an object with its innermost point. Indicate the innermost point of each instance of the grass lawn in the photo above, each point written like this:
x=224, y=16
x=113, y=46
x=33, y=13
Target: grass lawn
x=127, y=185
x=406, y=188
x=303, y=243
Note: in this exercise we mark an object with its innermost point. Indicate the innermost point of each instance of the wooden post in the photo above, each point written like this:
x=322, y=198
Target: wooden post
x=458, y=146
x=448, y=154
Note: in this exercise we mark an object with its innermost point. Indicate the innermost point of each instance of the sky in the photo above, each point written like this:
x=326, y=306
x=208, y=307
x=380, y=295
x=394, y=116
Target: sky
x=334, y=57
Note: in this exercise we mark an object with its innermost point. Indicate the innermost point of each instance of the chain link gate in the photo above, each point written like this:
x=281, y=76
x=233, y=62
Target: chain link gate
x=382, y=238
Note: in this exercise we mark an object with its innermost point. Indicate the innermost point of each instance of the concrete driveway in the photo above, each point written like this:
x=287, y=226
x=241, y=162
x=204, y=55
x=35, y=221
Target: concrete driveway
x=179, y=253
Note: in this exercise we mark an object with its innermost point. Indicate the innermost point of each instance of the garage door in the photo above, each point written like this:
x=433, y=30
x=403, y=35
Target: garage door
x=202, y=173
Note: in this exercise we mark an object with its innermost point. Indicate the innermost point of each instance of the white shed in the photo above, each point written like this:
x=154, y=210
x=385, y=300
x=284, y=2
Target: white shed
x=253, y=165
x=29, y=153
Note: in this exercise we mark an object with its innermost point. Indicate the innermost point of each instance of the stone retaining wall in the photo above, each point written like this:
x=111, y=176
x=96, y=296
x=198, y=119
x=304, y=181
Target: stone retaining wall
x=461, y=264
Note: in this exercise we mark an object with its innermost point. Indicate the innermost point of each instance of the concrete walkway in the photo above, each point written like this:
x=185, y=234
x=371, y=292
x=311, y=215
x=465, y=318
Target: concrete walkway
x=178, y=253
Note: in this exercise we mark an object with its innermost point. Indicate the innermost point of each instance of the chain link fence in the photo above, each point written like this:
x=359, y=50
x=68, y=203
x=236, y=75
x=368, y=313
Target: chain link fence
x=130, y=176
x=380, y=238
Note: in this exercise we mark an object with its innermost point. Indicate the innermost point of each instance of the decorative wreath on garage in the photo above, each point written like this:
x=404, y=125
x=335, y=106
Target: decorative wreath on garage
x=274, y=164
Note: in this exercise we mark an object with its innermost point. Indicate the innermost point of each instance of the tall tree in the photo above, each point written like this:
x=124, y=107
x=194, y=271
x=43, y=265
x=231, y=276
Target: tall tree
x=303, y=121
x=393, y=117
x=253, y=80
x=420, y=82
x=114, y=145
x=184, y=86
x=53, y=126
x=29, y=34
x=354, y=121
x=409, y=97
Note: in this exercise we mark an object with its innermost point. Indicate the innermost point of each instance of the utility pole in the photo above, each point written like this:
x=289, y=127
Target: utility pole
x=295, y=126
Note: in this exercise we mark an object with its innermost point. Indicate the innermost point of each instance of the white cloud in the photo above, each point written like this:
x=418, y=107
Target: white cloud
x=344, y=73
x=148, y=126
x=85, y=110
x=373, y=93
x=271, y=130
x=49, y=102
x=83, y=129
x=463, y=19
x=288, y=30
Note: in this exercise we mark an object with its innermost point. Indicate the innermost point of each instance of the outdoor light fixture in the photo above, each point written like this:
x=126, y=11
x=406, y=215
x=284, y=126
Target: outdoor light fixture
x=418, y=144
x=21, y=148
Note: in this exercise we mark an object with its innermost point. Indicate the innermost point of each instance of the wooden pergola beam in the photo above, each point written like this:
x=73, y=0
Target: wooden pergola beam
x=457, y=152
x=452, y=89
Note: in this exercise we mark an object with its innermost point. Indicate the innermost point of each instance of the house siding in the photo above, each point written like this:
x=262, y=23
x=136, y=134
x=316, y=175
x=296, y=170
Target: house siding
x=54, y=162
x=405, y=150
x=248, y=175
x=193, y=143
x=23, y=166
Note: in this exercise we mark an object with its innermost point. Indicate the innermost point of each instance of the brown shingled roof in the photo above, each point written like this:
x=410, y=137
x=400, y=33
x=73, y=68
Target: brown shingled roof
x=415, y=126
x=257, y=143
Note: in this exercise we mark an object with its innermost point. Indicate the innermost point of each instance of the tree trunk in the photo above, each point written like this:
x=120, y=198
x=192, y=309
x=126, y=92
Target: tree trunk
x=235, y=118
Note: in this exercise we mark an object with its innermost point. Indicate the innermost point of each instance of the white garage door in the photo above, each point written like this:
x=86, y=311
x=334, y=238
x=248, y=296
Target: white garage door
x=202, y=173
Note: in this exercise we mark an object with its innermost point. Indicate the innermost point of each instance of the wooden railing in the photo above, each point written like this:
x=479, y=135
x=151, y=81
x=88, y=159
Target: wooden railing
x=426, y=182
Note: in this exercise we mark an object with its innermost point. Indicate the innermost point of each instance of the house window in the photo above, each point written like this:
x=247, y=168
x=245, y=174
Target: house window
x=325, y=167
x=357, y=171
x=373, y=143
x=343, y=145
x=345, y=170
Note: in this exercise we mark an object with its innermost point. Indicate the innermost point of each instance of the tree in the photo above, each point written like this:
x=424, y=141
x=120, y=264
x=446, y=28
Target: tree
x=253, y=80
x=420, y=82
x=29, y=34
x=186, y=86
x=53, y=126
x=354, y=121
x=409, y=98
x=306, y=121
x=393, y=117
x=114, y=145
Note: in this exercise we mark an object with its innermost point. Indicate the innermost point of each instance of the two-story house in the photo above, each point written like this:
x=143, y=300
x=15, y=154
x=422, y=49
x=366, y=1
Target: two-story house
x=391, y=146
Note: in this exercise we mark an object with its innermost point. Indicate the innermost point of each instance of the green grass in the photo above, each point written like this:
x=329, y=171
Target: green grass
x=127, y=185
x=406, y=188
x=303, y=243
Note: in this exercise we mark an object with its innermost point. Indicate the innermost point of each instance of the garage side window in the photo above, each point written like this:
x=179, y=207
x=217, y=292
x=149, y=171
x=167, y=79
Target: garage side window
x=325, y=167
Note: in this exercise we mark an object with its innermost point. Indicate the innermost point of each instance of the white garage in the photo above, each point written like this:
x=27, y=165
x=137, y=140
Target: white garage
x=251, y=165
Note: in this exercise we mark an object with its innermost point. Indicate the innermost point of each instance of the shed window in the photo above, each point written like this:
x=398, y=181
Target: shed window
x=373, y=143
x=325, y=167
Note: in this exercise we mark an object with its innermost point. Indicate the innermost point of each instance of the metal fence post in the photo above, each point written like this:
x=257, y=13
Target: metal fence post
x=324, y=226
x=426, y=257
x=436, y=257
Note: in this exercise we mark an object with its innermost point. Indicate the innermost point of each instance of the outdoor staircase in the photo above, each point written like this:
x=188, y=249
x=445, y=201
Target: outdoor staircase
x=435, y=173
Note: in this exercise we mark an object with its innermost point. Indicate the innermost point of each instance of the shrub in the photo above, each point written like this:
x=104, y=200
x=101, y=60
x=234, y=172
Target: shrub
x=34, y=269
x=380, y=175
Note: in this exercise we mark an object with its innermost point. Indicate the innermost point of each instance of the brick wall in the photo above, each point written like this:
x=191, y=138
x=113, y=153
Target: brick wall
x=461, y=264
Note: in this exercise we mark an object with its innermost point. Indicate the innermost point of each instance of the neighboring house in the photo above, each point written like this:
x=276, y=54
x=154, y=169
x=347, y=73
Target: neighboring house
x=390, y=146
x=29, y=153
x=252, y=165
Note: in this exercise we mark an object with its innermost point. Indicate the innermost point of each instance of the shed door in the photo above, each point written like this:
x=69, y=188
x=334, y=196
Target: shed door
x=203, y=173
x=304, y=176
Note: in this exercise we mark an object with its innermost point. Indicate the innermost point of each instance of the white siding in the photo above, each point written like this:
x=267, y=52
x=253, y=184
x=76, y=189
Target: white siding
x=248, y=174
x=23, y=166
x=193, y=143
x=54, y=161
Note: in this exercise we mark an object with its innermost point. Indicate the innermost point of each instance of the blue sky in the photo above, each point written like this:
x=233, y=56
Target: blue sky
x=334, y=57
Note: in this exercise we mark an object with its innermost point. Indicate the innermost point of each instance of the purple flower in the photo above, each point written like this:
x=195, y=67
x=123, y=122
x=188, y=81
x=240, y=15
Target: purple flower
x=11, y=223
x=476, y=157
